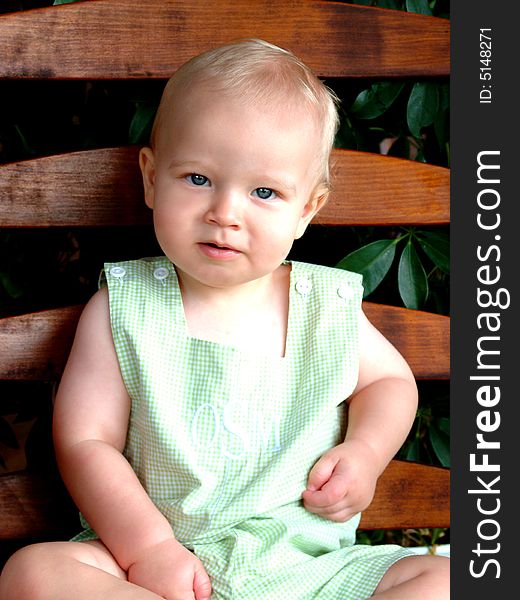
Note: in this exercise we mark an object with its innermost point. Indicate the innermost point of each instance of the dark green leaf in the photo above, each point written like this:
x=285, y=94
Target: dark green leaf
x=440, y=443
x=443, y=423
x=444, y=96
x=372, y=261
x=441, y=126
x=376, y=100
x=418, y=6
x=411, y=278
x=393, y=4
x=437, y=248
x=347, y=136
x=413, y=450
x=11, y=287
x=376, y=536
x=420, y=157
x=422, y=106
x=23, y=140
x=141, y=125
x=441, y=121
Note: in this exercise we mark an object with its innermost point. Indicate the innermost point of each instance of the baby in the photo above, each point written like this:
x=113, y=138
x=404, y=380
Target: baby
x=201, y=422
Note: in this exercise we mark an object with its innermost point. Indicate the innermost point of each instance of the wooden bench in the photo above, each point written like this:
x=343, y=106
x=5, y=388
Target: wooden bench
x=124, y=39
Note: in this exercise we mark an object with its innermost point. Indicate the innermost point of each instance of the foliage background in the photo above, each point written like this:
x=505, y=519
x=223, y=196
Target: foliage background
x=50, y=267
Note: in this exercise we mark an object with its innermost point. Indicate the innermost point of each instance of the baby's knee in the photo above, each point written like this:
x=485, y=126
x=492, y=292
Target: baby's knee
x=428, y=574
x=21, y=576
x=439, y=568
x=435, y=571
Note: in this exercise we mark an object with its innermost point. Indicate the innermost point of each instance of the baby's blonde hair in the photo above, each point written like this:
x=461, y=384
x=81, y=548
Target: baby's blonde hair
x=256, y=71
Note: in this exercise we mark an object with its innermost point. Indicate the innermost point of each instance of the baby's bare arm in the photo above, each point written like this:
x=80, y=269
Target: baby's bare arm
x=90, y=425
x=383, y=406
x=381, y=412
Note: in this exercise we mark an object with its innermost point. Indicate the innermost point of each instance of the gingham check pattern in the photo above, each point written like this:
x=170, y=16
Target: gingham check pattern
x=223, y=440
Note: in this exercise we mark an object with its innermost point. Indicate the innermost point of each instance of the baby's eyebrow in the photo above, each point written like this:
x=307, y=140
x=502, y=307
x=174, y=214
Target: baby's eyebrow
x=288, y=186
x=186, y=164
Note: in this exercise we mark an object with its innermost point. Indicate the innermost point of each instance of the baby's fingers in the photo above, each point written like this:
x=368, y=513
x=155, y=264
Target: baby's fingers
x=321, y=472
x=323, y=503
x=201, y=585
x=339, y=515
x=330, y=494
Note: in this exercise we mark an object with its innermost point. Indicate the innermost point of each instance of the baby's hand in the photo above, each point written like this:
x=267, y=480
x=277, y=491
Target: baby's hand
x=171, y=571
x=342, y=482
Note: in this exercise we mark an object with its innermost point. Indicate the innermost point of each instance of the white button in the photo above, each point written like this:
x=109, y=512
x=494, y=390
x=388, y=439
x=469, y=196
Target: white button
x=345, y=291
x=161, y=273
x=304, y=286
x=117, y=272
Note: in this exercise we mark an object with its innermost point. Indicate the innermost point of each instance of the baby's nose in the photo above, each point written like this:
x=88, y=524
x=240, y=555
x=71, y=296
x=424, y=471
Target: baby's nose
x=226, y=210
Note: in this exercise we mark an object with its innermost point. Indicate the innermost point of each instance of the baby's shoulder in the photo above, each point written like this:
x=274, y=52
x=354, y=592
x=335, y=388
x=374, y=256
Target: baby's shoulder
x=96, y=310
x=153, y=269
x=322, y=279
x=325, y=272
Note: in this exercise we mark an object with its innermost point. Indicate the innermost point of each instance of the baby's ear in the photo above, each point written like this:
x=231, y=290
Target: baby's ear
x=147, y=164
x=311, y=209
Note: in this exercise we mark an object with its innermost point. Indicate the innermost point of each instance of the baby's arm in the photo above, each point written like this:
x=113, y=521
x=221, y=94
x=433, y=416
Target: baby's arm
x=381, y=411
x=90, y=425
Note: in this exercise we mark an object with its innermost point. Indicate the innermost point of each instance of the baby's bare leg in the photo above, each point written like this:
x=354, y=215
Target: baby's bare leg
x=65, y=570
x=425, y=577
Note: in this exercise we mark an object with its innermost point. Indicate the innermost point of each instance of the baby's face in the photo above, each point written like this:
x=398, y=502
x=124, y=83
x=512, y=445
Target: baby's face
x=231, y=186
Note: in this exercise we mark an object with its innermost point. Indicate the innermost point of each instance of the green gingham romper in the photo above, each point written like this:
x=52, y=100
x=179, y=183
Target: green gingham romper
x=223, y=439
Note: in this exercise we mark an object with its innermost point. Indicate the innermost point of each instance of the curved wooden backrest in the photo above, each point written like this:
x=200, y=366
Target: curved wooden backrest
x=98, y=188
x=35, y=346
x=35, y=505
x=125, y=39
x=102, y=188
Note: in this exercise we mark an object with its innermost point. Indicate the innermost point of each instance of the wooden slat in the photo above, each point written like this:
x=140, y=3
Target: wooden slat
x=409, y=495
x=422, y=338
x=128, y=39
x=97, y=188
x=103, y=188
x=35, y=346
x=370, y=189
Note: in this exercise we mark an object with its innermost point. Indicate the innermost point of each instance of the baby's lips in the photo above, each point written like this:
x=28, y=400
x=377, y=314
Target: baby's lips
x=221, y=245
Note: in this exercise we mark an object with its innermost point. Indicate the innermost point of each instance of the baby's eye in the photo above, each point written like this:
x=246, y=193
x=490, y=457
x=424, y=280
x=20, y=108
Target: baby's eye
x=265, y=193
x=197, y=179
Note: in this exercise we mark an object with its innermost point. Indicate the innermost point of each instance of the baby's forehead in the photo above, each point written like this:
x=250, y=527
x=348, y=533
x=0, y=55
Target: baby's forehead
x=201, y=95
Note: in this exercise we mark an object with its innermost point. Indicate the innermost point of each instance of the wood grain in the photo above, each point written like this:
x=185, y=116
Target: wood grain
x=101, y=188
x=422, y=338
x=35, y=346
x=36, y=505
x=409, y=495
x=371, y=189
x=126, y=39
x=96, y=188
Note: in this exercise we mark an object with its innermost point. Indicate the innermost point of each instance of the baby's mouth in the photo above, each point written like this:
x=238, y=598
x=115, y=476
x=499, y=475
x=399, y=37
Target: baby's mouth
x=220, y=246
x=217, y=250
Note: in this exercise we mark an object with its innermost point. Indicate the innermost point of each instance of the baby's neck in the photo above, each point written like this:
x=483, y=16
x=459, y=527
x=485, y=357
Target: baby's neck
x=252, y=317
